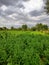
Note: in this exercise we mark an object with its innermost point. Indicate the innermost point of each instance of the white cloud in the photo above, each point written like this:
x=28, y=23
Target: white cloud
x=33, y=5
x=12, y=16
x=3, y=8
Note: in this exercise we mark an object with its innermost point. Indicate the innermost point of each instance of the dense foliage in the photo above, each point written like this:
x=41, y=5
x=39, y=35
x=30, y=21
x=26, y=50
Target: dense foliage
x=24, y=49
x=47, y=6
x=40, y=27
x=24, y=27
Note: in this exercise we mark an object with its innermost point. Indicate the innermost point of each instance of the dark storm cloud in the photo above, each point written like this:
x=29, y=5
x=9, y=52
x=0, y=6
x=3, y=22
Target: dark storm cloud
x=10, y=2
x=26, y=0
x=20, y=6
x=5, y=2
x=12, y=6
x=44, y=19
x=36, y=13
x=10, y=10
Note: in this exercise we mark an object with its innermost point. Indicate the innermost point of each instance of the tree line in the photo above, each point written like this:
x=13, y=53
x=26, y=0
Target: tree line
x=37, y=27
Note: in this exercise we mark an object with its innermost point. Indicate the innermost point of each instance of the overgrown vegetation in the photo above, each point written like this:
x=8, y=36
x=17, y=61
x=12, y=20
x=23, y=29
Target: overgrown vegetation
x=26, y=48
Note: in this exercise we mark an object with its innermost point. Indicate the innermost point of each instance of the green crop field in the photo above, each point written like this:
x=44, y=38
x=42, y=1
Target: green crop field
x=24, y=48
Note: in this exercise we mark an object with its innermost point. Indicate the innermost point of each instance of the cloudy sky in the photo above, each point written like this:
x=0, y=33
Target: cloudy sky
x=18, y=12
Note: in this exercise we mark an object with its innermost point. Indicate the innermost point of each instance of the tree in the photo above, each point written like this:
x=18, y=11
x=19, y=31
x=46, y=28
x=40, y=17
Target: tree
x=24, y=27
x=4, y=28
x=39, y=26
x=45, y=27
x=33, y=28
x=1, y=28
x=47, y=6
x=12, y=28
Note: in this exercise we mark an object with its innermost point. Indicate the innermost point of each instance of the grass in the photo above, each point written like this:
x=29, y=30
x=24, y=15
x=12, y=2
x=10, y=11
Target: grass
x=24, y=48
x=21, y=32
